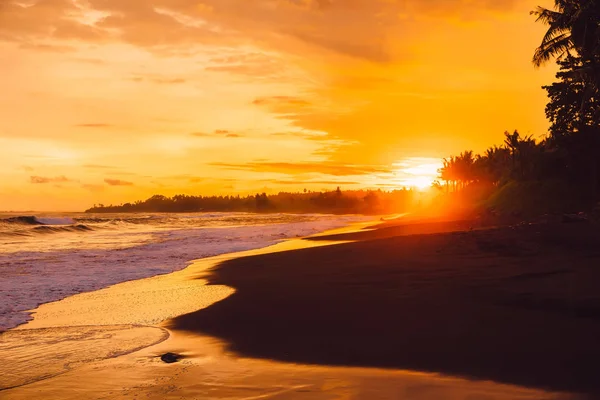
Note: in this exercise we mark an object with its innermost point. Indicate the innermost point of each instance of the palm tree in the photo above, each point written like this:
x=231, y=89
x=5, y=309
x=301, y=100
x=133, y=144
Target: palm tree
x=448, y=173
x=495, y=164
x=522, y=151
x=574, y=26
x=465, y=171
x=459, y=171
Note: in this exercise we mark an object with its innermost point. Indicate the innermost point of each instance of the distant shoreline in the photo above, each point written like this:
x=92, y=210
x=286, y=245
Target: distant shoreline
x=364, y=202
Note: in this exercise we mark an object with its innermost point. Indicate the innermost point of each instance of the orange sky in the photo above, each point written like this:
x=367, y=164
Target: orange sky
x=105, y=101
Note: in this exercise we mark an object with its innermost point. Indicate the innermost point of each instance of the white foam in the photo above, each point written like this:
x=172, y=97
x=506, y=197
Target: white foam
x=31, y=278
x=56, y=221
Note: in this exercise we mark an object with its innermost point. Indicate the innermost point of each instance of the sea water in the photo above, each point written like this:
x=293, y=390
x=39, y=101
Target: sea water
x=48, y=257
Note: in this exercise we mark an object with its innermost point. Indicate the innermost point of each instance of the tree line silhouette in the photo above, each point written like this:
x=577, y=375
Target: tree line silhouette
x=559, y=172
x=334, y=202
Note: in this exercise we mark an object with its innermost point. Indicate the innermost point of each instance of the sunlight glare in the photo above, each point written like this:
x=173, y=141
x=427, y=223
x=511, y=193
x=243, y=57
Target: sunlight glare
x=418, y=173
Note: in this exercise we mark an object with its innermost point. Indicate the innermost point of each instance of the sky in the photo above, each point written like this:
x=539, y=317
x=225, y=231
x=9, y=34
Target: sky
x=109, y=101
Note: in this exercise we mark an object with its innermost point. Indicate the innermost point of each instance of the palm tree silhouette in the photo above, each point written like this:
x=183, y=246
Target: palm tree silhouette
x=574, y=26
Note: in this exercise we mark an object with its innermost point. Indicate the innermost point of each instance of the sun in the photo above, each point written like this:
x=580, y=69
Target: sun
x=422, y=183
x=418, y=173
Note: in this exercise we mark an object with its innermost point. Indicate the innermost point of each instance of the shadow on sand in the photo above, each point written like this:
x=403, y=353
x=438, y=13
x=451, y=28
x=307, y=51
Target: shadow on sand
x=496, y=305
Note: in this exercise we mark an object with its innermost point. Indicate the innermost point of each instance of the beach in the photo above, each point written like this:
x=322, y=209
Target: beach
x=414, y=310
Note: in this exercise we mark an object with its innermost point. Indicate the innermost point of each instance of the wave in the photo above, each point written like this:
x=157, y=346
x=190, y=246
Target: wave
x=33, y=220
x=29, y=225
x=22, y=220
x=58, y=229
x=55, y=221
x=25, y=225
x=145, y=220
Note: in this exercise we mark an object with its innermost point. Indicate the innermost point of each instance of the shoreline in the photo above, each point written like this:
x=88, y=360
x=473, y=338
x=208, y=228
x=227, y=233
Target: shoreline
x=135, y=304
x=129, y=255
x=200, y=349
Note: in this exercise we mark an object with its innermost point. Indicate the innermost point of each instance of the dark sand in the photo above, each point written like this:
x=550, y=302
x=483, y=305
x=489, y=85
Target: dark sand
x=517, y=305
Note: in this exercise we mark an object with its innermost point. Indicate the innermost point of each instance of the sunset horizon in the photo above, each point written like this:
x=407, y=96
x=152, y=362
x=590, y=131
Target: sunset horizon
x=107, y=102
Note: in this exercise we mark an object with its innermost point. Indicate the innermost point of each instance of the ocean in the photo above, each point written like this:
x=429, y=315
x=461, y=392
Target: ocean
x=48, y=257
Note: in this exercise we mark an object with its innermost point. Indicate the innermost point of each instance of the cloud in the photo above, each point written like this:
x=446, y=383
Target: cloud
x=186, y=177
x=218, y=132
x=280, y=100
x=289, y=107
x=57, y=19
x=94, y=125
x=327, y=168
x=51, y=48
x=250, y=64
x=44, y=179
x=295, y=182
x=117, y=182
x=366, y=51
x=161, y=80
x=302, y=135
x=355, y=28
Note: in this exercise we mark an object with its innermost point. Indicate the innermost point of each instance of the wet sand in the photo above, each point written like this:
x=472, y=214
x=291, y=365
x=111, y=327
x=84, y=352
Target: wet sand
x=304, y=319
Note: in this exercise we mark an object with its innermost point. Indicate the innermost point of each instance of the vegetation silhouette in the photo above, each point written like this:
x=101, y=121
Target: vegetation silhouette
x=335, y=202
x=560, y=172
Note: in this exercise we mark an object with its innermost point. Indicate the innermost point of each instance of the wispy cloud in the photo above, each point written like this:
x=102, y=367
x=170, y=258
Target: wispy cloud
x=47, y=47
x=217, y=133
x=186, y=177
x=302, y=135
x=161, y=80
x=117, y=182
x=280, y=100
x=255, y=65
x=45, y=179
